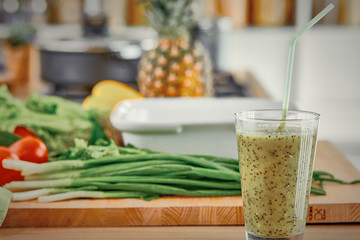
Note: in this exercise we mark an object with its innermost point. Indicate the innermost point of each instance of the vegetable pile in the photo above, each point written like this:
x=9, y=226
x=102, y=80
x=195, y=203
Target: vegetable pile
x=55, y=120
x=127, y=172
x=61, y=152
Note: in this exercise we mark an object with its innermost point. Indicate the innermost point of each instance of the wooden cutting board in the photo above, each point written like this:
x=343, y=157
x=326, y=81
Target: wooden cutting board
x=341, y=204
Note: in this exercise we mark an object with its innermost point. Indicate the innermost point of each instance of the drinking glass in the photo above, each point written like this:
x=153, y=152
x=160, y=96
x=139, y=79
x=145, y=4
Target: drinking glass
x=276, y=158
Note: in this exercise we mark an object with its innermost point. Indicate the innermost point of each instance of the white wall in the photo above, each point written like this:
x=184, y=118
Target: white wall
x=329, y=61
x=262, y=51
x=328, y=81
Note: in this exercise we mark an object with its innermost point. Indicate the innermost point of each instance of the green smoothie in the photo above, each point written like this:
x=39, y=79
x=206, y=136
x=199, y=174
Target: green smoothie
x=276, y=171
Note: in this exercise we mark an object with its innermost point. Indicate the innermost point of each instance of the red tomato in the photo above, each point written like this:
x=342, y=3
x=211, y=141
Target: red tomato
x=30, y=149
x=23, y=132
x=7, y=175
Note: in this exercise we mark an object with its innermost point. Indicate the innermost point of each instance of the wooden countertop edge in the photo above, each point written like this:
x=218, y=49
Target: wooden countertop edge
x=312, y=232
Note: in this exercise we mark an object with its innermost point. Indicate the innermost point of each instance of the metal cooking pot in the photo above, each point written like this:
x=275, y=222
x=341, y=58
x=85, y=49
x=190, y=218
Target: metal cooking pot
x=86, y=61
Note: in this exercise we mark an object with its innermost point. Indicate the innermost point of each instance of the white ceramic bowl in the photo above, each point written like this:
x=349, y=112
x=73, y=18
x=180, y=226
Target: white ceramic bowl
x=184, y=125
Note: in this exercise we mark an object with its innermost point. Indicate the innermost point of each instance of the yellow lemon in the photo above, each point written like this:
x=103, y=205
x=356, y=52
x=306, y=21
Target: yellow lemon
x=106, y=94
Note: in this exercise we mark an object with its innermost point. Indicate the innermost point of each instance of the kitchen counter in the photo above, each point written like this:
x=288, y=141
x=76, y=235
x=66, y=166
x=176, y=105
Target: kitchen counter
x=312, y=232
x=347, y=231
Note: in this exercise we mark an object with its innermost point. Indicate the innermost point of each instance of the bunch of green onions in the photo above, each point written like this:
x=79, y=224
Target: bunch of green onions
x=144, y=175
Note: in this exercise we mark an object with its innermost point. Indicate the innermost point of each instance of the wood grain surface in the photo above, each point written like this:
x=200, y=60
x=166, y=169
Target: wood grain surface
x=340, y=205
x=312, y=232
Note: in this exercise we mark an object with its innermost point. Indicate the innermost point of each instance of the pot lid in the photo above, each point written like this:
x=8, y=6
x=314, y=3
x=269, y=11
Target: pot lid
x=127, y=49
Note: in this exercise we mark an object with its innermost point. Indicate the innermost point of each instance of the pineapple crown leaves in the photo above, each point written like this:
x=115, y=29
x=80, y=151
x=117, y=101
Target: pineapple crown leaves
x=170, y=18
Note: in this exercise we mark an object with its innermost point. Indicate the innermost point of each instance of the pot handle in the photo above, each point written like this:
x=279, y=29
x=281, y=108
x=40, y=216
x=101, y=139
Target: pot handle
x=128, y=52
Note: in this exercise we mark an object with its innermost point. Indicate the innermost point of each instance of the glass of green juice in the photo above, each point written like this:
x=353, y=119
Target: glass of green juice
x=276, y=158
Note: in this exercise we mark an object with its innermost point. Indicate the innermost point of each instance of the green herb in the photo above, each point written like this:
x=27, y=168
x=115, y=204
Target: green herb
x=83, y=151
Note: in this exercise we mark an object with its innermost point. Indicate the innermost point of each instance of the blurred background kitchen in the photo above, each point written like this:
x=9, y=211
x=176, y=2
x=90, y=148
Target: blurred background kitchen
x=64, y=47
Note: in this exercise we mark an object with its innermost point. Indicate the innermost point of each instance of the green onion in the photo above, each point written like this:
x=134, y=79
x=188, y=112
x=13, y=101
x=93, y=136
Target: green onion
x=81, y=164
x=81, y=182
x=94, y=194
x=317, y=191
x=34, y=194
x=98, y=171
x=170, y=190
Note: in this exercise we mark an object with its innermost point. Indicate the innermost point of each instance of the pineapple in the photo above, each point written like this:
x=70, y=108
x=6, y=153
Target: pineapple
x=178, y=66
